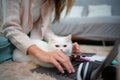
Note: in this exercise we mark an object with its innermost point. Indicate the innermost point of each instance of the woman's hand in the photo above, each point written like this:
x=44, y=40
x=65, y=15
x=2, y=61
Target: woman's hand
x=57, y=58
x=76, y=48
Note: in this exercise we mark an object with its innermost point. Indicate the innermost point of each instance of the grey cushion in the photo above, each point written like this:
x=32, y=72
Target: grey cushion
x=114, y=3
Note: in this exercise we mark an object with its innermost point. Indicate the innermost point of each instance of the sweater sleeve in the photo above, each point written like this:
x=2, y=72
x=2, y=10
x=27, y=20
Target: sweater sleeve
x=49, y=34
x=11, y=27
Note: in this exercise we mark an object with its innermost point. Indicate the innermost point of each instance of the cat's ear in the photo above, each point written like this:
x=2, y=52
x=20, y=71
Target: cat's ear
x=68, y=38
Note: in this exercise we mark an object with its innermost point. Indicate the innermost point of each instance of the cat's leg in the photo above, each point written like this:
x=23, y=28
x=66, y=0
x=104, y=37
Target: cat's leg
x=18, y=56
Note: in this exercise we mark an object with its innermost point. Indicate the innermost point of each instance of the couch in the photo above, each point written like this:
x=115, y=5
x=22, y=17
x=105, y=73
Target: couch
x=91, y=19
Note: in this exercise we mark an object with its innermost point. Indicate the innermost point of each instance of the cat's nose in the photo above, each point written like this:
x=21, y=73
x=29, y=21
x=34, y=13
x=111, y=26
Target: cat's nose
x=61, y=50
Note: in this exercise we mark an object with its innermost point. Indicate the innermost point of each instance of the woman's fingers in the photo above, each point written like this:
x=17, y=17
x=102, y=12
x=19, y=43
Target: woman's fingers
x=59, y=59
x=76, y=48
x=57, y=65
x=68, y=66
x=65, y=62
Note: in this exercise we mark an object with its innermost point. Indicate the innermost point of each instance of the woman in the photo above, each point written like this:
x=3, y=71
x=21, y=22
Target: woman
x=20, y=17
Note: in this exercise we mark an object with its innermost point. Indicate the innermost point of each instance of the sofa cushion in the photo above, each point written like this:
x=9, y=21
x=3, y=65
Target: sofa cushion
x=76, y=12
x=115, y=4
x=99, y=10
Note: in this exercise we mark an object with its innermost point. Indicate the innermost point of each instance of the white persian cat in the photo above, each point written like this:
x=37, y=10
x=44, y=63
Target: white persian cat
x=61, y=43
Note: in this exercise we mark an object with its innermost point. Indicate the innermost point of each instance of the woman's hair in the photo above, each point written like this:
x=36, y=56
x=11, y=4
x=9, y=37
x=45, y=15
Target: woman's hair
x=60, y=5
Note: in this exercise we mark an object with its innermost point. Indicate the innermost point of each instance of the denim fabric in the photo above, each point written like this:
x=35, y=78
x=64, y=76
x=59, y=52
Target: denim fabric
x=6, y=49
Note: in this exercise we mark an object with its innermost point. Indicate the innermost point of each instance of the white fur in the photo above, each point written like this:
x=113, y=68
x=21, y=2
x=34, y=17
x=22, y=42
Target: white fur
x=50, y=46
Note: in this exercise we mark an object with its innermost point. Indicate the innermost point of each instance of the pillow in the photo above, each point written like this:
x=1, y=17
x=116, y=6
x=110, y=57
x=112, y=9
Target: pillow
x=76, y=11
x=99, y=10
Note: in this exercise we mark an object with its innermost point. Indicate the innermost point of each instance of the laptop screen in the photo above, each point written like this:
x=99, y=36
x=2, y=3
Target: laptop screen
x=110, y=57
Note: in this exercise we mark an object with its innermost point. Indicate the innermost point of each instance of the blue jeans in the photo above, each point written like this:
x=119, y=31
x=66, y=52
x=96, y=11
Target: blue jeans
x=6, y=49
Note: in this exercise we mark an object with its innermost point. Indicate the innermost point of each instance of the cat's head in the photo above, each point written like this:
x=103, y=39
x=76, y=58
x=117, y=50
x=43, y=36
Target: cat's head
x=61, y=43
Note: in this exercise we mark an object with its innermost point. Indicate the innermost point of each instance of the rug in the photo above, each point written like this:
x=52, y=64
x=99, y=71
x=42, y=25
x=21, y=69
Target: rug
x=22, y=71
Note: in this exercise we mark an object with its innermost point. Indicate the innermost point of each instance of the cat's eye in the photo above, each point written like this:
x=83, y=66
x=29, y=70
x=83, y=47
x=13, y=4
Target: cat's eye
x=64, y=45
x=57, y=45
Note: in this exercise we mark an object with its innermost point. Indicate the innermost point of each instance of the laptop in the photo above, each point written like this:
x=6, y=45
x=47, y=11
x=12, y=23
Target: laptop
x=110, y=57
